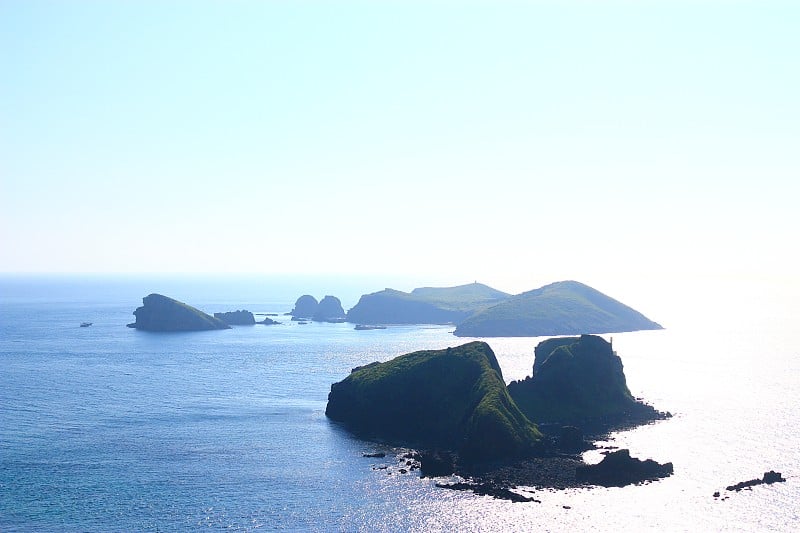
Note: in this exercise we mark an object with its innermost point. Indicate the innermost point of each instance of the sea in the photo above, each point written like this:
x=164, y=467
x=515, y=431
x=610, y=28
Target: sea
x=106, y=428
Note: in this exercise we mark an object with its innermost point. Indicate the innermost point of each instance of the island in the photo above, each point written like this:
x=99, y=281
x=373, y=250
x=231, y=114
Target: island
x=161, y=313
x=579, y=381
x=329, y=309
x=452, y=399
x=424, y=305
x=453, y=408
x=561, y=308
x=304, y=308
x=237, y=318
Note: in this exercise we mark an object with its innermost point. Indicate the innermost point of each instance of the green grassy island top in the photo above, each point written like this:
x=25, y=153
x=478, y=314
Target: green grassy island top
x=453, y=399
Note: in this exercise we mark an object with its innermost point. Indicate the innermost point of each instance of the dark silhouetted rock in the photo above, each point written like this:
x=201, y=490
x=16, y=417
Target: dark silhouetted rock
x=618, y=469
x=562, y=308
x=488, y=489
x=436, y=463
x=769, y=478
x=305, y=307
x=237, y=318
x=161, y=313
x=580, y=381
x=329, y=309
x=453, y=399
x=570, y=439
x=268, y=321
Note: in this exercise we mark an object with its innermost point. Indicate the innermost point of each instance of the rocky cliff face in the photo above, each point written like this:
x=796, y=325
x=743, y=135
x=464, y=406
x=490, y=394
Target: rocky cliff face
x=578, y=379
x=453, y=399
x=161, y=313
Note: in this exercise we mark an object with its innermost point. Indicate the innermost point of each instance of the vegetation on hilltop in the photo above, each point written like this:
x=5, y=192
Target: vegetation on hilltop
x=580, y=379
x=453, y=399
x=426, y=305
x=562, y=308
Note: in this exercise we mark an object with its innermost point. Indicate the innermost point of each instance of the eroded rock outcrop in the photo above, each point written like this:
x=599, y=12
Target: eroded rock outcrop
x=237, y=318
x=578, y=380
x=618, y=469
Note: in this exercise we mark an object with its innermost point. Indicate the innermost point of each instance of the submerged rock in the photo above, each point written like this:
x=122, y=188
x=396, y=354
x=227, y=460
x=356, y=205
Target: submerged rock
x=161, y=313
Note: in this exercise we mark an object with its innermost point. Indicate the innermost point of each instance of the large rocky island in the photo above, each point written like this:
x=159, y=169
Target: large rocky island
x=453, y=399
x=161, y=313
x=562, y=308
x=454, y=407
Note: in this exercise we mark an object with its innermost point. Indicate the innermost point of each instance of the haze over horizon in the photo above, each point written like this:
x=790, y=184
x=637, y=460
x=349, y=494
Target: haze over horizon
x=512, y=143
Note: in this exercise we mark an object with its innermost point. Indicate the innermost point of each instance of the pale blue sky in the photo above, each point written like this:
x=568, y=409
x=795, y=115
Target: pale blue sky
x=511, y=142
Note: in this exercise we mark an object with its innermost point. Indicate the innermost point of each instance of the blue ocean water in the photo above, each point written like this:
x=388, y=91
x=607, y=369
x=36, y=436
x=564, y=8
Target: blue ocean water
x=107, y=428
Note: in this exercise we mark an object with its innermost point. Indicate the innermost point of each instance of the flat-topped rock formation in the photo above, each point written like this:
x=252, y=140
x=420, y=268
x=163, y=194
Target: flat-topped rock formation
x=237, y=318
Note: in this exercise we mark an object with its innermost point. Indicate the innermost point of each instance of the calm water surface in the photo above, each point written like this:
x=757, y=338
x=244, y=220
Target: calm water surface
x=111, y=429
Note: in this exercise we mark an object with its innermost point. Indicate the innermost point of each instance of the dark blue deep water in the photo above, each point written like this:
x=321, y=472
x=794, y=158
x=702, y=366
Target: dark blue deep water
x=106, y=428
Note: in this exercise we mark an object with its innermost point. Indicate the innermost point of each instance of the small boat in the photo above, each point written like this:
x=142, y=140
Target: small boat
x=363, y=327
x=85, y=324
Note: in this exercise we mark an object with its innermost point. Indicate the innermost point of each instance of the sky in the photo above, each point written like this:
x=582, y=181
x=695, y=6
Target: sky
x=619, y=143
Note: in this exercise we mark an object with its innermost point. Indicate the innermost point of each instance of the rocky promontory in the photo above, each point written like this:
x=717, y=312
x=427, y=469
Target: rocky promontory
x=237, y=318
x=453, y=399
x=161, y=313
x=578, y=380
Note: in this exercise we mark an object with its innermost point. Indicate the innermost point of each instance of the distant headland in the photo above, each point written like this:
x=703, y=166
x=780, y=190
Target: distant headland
x=561, y=308
x=161, y=313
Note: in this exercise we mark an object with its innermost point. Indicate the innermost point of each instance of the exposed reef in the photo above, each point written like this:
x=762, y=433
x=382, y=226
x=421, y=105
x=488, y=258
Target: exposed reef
x=161, y=313
x=579, y=381
x=562, y=308
x=453, y=399
x=237, y=318
x=768, y=478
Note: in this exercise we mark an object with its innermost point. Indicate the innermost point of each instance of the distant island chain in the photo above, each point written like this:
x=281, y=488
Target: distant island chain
x=561, y=308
